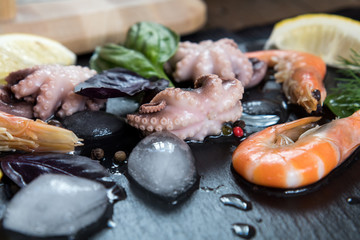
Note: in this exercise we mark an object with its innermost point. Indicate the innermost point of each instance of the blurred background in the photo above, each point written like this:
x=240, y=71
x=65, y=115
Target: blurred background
x=81, y=25
x=238, y=14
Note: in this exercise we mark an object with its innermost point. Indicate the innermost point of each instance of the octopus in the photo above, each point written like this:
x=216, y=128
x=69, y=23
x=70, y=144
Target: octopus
x=45, y=90
x=10, y=105
x=192, y=114
x=222, y=57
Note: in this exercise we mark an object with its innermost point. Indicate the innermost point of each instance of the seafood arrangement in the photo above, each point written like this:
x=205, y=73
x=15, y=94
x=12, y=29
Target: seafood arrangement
x=287, y=155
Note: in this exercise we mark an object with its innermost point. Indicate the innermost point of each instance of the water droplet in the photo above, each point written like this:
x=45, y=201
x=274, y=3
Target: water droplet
x=111, y=223
x=236, y=201
x=244, y=230
x=353, y=200
x=210, y=189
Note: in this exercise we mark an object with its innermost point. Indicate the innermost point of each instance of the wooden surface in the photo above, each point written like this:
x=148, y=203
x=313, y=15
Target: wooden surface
x=239, y=14
x=81, y=25
x=7, y=9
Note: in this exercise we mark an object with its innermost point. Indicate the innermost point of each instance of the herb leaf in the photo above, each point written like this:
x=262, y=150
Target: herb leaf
x=112, y=55
x=155, y=41
x=23, y=168
x=147, y=47
x=118, y=82
x=345, y=98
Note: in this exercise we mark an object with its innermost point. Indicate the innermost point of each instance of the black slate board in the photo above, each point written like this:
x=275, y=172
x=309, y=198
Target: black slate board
x=320, y=212
x=323, y=212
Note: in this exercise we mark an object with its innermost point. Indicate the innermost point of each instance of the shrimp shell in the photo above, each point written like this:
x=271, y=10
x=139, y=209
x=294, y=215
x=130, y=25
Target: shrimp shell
x=296, y=154
x=18, y=133
x=302, y=75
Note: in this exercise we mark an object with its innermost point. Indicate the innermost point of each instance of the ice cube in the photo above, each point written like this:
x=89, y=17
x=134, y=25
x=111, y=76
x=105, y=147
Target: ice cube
x=56, y=205
x=163, y=164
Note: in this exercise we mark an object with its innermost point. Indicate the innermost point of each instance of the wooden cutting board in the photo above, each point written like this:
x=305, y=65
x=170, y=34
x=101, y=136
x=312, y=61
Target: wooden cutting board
x=81, y=25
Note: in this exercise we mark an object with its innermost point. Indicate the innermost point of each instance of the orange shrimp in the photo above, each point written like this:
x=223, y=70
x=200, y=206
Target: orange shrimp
x=296, y=154
x=301, y=74
x=19, y=133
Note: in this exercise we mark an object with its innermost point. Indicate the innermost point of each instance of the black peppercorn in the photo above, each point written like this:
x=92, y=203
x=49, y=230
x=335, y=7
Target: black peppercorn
x=239, y=123
x=97, y=154
x=120, y=156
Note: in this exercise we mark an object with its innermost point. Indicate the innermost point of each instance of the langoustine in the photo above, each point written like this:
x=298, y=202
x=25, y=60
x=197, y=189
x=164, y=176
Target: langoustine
x=296, y=154
x=51, y=89
x=192, y=114
x=18, y=133
x=302, y=75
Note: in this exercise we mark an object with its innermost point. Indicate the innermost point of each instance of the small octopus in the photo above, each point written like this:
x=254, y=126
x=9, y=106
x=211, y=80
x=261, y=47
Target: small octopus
x=222, y=57
x=192, y=114
x=50, y=89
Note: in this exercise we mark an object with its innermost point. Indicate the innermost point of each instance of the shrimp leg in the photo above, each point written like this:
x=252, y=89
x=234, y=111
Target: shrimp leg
x=301, y=74
x=18, y=133
x=297, y=153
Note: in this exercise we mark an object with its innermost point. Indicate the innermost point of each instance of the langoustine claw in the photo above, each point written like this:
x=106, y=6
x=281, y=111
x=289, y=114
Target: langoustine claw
x=192, y=114
x=18, y=133
x=302, y=75
x=51, y=89
x=296, y=154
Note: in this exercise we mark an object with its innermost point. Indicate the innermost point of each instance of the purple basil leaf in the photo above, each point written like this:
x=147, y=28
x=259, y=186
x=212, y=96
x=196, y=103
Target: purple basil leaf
x=118, y=82
x=23, y=168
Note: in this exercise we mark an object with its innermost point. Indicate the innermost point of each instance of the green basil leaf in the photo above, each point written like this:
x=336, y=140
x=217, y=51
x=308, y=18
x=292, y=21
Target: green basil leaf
x=155, y=41
x=100, y=64
x=112, y=55
x=147, y=47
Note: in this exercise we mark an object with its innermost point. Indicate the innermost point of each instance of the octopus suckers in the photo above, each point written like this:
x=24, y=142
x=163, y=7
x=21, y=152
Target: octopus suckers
x=50, y=85
x=195, y=122
x=48, y=94
x=177, y=121
x=163, y=121
x=137, y=119
x=153, y=120
x=30, y=83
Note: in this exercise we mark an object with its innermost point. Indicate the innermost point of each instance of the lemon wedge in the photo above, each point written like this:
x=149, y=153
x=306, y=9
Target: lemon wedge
x=328, y=36
x=19, y=50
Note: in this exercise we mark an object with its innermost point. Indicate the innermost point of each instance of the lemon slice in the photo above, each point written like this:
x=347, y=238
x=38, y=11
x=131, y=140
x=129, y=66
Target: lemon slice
x=325, y=35
x=18, y=51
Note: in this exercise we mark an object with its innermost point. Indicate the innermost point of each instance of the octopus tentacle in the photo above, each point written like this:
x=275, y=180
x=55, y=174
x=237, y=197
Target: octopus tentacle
x=194, y=114
x=50, y=88
x=152, y=107
x=222, y=57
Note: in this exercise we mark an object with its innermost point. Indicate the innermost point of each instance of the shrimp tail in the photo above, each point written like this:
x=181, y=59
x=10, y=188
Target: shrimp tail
x=297, y=153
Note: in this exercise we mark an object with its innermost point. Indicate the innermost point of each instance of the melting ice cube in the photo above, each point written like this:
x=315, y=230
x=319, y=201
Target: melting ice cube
x=56, y=205
x=163, y=164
